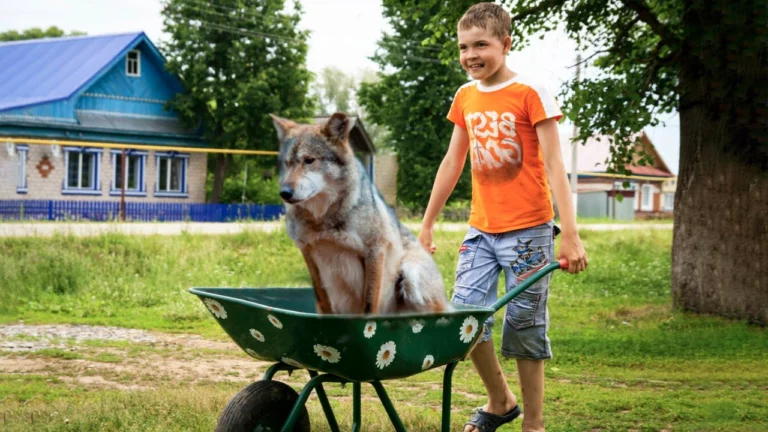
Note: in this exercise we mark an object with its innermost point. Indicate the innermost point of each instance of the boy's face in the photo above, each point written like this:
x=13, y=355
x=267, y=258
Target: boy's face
x=482, y=53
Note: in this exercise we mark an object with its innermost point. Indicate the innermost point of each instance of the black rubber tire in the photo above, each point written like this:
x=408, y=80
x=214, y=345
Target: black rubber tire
x=263, y=403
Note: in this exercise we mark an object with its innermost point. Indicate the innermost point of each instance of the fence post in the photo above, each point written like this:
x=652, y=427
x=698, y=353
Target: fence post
x=50, y=210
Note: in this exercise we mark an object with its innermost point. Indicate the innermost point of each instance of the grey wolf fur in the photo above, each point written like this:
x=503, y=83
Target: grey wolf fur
x=362, y=260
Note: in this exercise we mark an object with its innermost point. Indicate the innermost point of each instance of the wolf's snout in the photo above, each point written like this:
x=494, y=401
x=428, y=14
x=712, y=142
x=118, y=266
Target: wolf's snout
x=286, y=193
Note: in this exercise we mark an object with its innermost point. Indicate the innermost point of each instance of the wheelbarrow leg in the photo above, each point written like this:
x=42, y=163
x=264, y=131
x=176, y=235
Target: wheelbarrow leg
x=356, y=417
x=304, y=395
x=326, y=405
x=447, y=376
x=388, y=406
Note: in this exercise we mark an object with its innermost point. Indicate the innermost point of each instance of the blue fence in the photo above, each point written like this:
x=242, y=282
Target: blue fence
x=135, y=211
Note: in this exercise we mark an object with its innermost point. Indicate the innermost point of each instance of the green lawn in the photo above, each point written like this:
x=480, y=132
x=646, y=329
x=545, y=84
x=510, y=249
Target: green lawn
x=623, y=360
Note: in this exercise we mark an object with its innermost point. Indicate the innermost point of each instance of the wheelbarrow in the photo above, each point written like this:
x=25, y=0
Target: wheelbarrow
x=280, y=325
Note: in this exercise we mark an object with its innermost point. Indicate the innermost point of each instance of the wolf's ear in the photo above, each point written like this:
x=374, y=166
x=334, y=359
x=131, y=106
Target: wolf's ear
x=282, y=125
x=337, y=128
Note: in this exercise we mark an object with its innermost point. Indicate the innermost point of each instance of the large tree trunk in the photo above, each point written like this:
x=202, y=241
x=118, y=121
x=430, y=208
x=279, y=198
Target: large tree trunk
x=219, y=172
x=719, y=259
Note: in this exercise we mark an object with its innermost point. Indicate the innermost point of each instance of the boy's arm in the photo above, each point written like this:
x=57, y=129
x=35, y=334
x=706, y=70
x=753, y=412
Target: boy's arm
x=570, y=243
x=445, y=180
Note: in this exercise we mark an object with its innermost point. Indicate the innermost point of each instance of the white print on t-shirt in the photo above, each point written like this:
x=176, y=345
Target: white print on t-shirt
x=491, y=140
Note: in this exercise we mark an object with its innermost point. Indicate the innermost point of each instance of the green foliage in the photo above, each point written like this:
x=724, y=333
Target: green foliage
x=36, y=33
x=238, y=60
x=258, y=189
x=413, y=96
x=335, y=90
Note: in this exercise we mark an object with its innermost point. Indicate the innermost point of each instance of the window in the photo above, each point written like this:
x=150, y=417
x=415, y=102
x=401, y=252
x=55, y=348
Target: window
x=82, y=171
x=171, y=174
x=21, y=171
x=669, y=201
x=135, y=161
x=647, y=198
x=133, y=63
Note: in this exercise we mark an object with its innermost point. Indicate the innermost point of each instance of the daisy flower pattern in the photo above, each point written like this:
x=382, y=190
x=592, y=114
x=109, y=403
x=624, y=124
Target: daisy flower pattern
x=253, y=354
x=329, y=354
x=370, y=329
x=275, y=322
x=216, y=308
x=386, y=355
x=428, y=362
x=468, y=329
x=443, y=321
x=416, y=326
x=257, y=335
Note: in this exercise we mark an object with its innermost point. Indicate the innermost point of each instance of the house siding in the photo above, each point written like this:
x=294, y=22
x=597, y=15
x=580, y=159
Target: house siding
x=50, y=187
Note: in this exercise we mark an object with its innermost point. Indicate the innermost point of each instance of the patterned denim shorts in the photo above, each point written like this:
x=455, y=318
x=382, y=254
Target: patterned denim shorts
x=482, y=257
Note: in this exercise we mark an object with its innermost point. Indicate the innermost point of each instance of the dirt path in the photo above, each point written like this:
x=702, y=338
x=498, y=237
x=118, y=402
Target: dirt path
x=46, y=229
x=93, y=356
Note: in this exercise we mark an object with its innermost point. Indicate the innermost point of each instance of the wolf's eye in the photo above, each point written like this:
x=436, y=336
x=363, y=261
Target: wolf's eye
x=308, y=161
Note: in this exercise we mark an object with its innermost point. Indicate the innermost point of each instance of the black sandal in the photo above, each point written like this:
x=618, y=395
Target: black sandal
x=487, y=422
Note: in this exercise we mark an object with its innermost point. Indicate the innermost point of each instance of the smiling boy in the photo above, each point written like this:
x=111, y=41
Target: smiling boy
x=508, y=125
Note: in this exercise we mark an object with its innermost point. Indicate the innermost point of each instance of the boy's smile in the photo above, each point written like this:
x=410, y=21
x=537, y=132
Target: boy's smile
x=482, y=55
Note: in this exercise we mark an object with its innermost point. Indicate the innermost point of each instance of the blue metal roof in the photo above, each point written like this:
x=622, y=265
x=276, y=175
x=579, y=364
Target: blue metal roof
x=46, y=70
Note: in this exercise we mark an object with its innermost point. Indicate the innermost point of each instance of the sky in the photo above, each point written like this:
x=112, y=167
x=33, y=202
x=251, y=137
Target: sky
x=343, y=34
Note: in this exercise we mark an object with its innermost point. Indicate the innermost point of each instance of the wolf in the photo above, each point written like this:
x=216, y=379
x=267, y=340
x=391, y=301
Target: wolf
x=361, y=259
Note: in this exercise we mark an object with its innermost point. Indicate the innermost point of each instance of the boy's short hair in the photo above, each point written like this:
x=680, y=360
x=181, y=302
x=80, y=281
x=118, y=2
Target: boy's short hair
x=487, y=16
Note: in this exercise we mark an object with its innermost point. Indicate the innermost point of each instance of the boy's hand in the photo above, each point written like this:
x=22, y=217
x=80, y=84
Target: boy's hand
x=572, y=250
x=425, y=238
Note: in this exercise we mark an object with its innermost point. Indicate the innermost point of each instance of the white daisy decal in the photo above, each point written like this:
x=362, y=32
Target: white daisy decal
x=216, y=308
x=428, y=362
x=370, y=329
x=468, y=329
x=275, y=322
x=329, y=354
x=257, y=335
x=443, y=321
x=386, y=355
x=254, y=354
x=416, y=326
x=292, y=362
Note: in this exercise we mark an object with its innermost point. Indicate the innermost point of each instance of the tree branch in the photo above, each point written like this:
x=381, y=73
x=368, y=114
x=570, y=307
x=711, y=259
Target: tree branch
x=645, y=15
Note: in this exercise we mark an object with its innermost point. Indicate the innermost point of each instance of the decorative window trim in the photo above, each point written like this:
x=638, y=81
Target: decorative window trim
x=23, y=151
x=142, y=191
x=96, y=189
x=128, y=63
x=647, y=191
x=184, y=192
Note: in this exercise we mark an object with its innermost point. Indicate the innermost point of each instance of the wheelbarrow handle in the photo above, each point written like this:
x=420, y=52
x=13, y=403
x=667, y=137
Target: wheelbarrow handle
x=530, y=280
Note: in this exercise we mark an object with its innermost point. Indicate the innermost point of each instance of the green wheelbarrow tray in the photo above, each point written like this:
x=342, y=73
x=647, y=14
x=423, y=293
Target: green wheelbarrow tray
x=281, y=325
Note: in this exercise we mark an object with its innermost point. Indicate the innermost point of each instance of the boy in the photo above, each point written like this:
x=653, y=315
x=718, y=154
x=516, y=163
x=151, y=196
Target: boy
x=509, y=126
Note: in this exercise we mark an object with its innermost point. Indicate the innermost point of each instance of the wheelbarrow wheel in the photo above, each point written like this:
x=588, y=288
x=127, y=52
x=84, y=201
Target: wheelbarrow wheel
x=263, y=406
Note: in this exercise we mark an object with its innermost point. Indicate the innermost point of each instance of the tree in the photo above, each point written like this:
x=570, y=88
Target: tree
x=413, y=99
x=36, y=33
x=238, y=60
x=335, y=90
x=709, y=61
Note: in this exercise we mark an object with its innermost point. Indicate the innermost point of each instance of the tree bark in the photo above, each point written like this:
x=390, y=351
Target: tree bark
x=219, y=173
x=719, y=259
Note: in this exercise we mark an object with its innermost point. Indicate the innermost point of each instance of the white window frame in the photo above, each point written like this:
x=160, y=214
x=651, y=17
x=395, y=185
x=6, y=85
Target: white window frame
x=167, y=157
x=669, y=204
x=118, y=154
x=647, y=192
x=22, y=151
x=128, y=63
x=79, y=152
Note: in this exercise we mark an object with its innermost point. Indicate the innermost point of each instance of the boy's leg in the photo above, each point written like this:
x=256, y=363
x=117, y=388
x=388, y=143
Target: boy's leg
x=527, y=318
x=477, y=276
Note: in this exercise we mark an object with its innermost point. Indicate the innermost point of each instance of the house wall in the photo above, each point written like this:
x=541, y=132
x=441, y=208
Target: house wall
x=50, y=187
x=385, y=176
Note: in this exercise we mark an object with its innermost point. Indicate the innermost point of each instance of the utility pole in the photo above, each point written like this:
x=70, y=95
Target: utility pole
x=574, y=151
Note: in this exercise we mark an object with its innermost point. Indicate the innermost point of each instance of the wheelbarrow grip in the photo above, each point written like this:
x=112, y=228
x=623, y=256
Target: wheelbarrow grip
x=528, y=282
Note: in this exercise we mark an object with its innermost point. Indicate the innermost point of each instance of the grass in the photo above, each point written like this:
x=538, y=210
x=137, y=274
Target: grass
x=624, y=360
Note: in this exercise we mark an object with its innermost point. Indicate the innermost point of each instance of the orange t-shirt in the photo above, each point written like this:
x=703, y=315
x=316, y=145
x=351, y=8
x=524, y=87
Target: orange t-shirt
x=509, y=184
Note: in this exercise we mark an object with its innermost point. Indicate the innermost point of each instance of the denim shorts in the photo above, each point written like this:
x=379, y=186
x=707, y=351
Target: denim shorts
x=482, y=257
